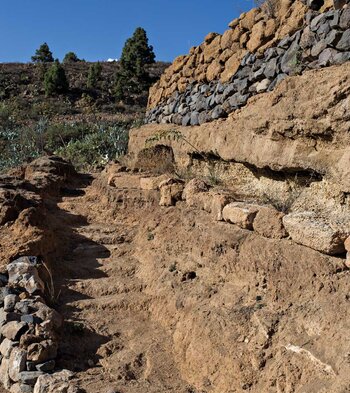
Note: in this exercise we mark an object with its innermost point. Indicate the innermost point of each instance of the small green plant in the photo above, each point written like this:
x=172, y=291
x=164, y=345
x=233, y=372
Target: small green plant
x=75, y=328
x=172, y=268
x=150, y=236
x=55, y=80
x=43, y=54
x=94, y=75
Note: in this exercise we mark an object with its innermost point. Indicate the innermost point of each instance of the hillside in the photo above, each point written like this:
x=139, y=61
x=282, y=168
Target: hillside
x=22, y=85
x=212, y=257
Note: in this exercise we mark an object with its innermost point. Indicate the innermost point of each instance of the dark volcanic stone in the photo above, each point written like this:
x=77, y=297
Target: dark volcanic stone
x=218, y=112
x=194, y=119
x=271, y=68
x=289, y=61
x=341, y=57
x=344, y=42
x=345, y=19
x=326, y=58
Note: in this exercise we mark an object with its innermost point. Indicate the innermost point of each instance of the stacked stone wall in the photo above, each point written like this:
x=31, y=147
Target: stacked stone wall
x=323, y=41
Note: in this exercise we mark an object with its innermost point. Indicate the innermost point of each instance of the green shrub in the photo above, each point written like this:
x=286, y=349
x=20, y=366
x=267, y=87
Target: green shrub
x=55, y=80
x=105, y=144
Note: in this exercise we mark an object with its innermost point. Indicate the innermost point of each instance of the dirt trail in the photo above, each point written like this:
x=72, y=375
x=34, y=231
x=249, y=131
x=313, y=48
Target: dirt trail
x=109, y=338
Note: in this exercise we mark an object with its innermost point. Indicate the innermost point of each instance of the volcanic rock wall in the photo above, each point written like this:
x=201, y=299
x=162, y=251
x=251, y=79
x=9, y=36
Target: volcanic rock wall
x=229, y=82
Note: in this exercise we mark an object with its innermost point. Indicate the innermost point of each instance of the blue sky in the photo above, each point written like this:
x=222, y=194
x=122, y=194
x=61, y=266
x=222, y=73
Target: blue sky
x=97, y=29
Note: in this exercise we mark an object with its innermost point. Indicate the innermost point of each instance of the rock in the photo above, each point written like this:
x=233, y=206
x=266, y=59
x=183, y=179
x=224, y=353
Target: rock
x=50, y=383
x=268, y=223
x=345, y=19
x=186, y=120
x=10, y=302
x=271, y=68
x=203, y=117
x=341, y=57
x=47, y=314
x=170, y=191
x=30, y=377
x=318, y=48
x=241, y=214
x=152, y=183
x=21, y=388
x=344, y=42
x=240, y=85
x=30, y=319
x=4, y=373
x=17, y=363
x=6, y=317
x=45, y=367
x=42, y=352
x=326, y=58
x=333, y=38
x=13, y=330
x=315, y=4
x=314, y=232
x=289, y=60
x=263, y=85
x=219, y=201
x=323, y=30
x=194, y=119
x=308, y=38
x=24, y=274
x=339, y=4
x=218, y=112
x=347, y=248
x=317, y=21
x=193, y=187
x=237, y=100
x=6, y=347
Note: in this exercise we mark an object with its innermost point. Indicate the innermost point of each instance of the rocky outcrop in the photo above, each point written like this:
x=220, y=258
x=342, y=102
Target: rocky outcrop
x=324, y=41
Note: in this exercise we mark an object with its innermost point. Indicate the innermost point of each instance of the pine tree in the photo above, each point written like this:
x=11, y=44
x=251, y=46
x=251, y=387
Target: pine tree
x=132, y=77
x=55, y=80
x=94, y=75
x=71, y=57
x=43, y=54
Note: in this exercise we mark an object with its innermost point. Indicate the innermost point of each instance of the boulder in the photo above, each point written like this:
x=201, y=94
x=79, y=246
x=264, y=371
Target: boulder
x=30, y=377
x=241, y=214
x=52, y=383
x=344, y=42
x=170, y=191
x=17, y=363
x=268, y=223
x=10, y=302
x=309, y=230
x=193, y=187
x=4, y=373
x=6, y=347
x=42, y=352
x=13, y=330
x=24, y=274
x=21, y=388
x=151, y=183
x=263, y=85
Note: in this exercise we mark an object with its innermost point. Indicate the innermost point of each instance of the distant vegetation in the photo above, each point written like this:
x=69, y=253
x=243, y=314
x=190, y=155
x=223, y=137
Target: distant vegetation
x=79, y=110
